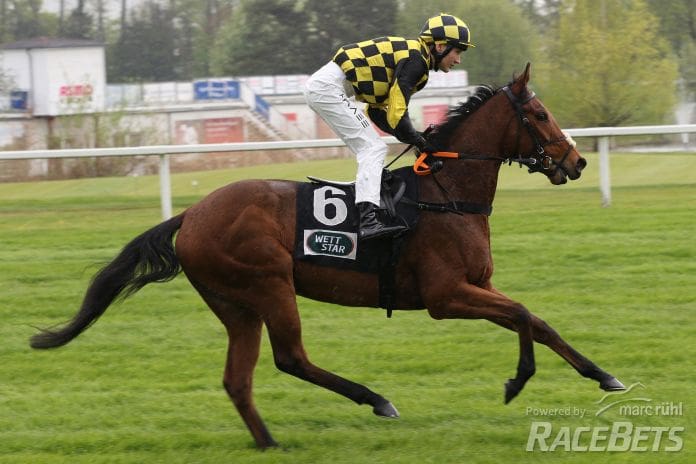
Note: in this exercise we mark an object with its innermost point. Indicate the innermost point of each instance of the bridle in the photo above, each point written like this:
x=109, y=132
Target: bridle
x=538, y=161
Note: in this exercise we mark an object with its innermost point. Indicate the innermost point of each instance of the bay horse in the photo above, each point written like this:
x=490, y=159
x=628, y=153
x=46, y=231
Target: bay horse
x=236, y=248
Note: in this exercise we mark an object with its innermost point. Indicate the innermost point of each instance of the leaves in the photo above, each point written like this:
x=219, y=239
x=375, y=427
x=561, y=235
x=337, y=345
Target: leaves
x=145, y=49
x=289, y=37
x=608, y=66
x=505, y=40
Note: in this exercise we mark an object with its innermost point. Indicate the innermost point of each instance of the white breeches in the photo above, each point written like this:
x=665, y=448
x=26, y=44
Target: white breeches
x=329, y=94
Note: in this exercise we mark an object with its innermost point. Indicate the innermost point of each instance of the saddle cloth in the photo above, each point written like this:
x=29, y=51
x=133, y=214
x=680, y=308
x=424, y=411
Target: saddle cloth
x=327, y=223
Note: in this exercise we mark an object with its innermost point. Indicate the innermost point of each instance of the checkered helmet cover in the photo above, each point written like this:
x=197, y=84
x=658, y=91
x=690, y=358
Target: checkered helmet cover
x=447, y=29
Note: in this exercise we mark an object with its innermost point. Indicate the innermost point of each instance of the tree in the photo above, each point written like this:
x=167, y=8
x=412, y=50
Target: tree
x=3, y=20
x=146, y=49
x=61, y=17
x=262, y=37
x=79, y=23
x=332, y=23
x=608, y=66
x=678, y=25
x=687, y=69
x=199, y=23
x=678, y=22
x=100, y=8
x=23, y=19
x=165, y=40
x=290, y=37
x=541, y=13
x=123, y=18
x=504, y=38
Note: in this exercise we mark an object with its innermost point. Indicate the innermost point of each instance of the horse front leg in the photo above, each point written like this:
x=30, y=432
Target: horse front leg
x=545, y=334
x=471, y=302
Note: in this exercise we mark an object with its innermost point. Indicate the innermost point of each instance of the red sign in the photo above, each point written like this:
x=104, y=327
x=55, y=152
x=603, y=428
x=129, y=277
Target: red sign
x=76, y=93
x=434, y=114
x=78, y=90
x=215, y=130
x=223, y=130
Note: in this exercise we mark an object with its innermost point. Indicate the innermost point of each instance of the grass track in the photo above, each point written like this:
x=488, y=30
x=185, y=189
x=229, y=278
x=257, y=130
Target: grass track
x=143, y=384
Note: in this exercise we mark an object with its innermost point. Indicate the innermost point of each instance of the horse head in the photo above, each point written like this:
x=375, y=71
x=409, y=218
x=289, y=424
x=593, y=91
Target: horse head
x=545, y=148
x=509, y=124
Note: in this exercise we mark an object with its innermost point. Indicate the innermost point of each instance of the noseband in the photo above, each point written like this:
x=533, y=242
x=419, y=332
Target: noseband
x=539, y=161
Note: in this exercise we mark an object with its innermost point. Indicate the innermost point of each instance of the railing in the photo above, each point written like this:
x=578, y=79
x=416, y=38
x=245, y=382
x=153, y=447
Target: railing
x=603, y=134
x=163, y=151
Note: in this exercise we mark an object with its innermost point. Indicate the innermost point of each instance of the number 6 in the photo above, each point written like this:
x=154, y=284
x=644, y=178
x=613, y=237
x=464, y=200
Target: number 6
x=322, y=200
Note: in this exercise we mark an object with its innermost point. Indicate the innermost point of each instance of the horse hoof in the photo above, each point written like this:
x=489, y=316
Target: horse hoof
x=511, y=391
x=386, y=409
x=268, y=445
x=611, y=384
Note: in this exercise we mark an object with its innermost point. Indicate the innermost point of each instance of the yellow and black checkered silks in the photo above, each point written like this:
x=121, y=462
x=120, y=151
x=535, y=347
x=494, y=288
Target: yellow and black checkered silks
x=447, y=29
x=370, y=65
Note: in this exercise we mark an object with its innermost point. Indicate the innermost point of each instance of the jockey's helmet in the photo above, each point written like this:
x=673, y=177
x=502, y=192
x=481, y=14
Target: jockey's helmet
x=446, y=29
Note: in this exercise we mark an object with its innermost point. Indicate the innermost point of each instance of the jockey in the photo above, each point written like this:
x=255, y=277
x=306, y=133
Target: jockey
x=384, y=73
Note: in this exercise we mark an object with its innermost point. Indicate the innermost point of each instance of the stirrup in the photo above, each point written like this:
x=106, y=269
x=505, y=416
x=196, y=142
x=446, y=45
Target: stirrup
x=380, y=231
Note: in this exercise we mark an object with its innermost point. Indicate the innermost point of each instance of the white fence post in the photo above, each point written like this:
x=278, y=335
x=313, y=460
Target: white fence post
x=165, y=187
x=604, y=171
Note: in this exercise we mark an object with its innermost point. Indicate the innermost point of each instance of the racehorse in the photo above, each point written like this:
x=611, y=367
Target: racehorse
x=236, y=248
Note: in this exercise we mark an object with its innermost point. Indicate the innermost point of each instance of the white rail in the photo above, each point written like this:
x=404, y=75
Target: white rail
x=603, y=134
x=163, y=151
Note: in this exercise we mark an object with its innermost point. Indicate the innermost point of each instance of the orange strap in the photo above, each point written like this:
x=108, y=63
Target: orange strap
x=421, y=168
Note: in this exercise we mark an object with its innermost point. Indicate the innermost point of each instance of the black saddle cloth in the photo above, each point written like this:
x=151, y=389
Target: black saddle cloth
x=327, y=223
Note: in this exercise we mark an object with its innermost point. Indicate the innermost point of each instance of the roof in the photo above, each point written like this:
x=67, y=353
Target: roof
x=50, y=42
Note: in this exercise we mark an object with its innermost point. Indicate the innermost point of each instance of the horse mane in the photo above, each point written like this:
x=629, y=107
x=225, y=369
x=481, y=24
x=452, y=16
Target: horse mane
x=457, y=114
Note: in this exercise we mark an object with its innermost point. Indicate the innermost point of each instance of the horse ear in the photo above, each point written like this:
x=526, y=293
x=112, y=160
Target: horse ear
x=519, y=83
x=527, y=72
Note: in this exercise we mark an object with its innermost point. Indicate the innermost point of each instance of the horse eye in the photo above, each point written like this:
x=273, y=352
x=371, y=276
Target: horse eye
x=542, y=117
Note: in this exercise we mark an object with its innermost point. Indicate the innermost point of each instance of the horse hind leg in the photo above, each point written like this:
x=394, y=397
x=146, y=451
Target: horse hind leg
x=242, y=354
x=244, y=341
x=284, y=331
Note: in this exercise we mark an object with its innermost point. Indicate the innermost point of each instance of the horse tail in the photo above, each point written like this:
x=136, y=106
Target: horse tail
x=150, y=257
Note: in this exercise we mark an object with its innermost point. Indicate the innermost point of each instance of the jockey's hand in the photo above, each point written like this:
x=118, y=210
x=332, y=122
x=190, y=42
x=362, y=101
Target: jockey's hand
x=424, y=146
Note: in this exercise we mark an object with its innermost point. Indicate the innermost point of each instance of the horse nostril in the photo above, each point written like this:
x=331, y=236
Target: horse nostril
x=581, y=164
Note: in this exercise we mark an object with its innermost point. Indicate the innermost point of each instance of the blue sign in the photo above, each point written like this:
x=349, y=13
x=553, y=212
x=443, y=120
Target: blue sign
x=263, y=108
x=216, y=89
x=19, y=99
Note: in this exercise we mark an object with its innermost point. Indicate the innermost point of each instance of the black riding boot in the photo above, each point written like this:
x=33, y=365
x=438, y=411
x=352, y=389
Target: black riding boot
x=370, y=224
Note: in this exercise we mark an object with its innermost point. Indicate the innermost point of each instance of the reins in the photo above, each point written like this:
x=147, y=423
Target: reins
x=422, y=168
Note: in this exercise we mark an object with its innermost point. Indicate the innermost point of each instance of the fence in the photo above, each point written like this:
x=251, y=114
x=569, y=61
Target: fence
x=163, y=151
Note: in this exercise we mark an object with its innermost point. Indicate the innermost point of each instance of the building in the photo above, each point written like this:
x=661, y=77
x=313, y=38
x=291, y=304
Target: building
x=53, y=77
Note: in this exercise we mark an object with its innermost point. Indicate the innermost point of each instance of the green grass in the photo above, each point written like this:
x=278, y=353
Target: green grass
x=144, y=384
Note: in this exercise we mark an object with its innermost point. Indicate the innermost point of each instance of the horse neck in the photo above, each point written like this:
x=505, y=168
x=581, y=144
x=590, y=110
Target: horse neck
x=481, y=135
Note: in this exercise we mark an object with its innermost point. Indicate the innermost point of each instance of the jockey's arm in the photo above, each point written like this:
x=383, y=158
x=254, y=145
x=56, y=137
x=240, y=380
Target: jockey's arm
x=393, y=118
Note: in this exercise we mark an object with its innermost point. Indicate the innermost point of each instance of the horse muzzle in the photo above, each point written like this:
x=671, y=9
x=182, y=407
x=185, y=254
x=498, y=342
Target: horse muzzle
x=570, y=167
x=575, y=172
